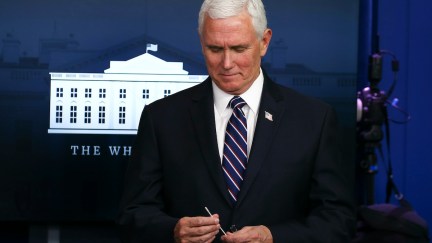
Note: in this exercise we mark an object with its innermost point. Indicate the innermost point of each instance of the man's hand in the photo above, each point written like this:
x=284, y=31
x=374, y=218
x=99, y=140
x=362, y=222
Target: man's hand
x=250, y=234
x=196, y=229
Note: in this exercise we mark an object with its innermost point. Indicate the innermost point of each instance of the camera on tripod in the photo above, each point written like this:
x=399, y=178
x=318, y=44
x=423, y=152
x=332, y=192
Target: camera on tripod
x=371, y=114
x=372, y=117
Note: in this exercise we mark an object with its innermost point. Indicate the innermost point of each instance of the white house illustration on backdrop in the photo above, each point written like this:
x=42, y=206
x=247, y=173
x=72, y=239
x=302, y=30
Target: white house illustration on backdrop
x=111, y=102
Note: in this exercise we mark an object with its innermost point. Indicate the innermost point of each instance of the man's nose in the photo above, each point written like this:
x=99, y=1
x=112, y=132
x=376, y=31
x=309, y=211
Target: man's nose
x=227, y=60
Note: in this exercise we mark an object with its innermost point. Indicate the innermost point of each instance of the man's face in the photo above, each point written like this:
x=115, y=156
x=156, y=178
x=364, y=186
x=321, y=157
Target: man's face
x=233, y=52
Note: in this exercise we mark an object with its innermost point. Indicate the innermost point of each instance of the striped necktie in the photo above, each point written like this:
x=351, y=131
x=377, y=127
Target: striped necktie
x=235, y=157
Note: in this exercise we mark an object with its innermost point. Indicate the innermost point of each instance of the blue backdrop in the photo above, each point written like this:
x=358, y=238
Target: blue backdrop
x=313, y=50
x=404, y=27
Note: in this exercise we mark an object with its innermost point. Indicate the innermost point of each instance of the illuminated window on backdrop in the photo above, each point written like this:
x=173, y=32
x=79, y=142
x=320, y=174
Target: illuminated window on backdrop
x=122, y=93
x=88, y=93
x=146, y=93
x=102, y=93
x=74, y=92
x=59, y=92
x=87, y=114
x=59, y=114
x=122, y=115
x=101, y=114
x=73, y=114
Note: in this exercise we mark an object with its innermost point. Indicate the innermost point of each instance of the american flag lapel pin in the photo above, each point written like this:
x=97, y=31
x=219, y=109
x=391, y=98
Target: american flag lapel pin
x=268, y=116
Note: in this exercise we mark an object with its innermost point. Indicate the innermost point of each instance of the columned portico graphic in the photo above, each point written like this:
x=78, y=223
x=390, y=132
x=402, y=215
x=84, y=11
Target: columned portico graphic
x=111, y=102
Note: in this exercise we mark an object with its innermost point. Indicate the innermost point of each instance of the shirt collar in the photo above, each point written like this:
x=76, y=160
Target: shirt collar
x=221, y=99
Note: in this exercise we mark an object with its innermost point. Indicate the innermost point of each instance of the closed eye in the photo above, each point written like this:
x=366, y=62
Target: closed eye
x=215, y=49
x=239, y=49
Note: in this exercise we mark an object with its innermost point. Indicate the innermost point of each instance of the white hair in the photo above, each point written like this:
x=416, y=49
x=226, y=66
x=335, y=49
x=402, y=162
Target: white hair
x=220, y=9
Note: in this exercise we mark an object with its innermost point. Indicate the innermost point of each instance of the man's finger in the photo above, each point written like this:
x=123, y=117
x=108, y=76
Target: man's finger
x=202, y=221
x=196, y=229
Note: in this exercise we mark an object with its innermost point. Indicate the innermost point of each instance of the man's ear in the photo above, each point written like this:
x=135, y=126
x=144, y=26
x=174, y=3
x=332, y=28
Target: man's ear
x=265, y=42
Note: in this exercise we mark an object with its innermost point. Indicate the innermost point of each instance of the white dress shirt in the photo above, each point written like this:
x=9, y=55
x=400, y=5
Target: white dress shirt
x=223, y=112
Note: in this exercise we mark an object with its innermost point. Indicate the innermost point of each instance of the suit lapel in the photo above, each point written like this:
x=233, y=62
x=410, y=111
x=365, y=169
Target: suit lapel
x=202, y=115
x=269, y=117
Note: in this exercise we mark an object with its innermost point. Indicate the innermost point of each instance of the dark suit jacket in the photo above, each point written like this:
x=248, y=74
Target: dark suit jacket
x=295, y=183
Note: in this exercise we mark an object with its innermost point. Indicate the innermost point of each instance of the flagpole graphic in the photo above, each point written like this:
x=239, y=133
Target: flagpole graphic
x=151, y=47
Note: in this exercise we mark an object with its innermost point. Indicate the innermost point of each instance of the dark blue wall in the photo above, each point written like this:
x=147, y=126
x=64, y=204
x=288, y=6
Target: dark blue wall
x=405, y=29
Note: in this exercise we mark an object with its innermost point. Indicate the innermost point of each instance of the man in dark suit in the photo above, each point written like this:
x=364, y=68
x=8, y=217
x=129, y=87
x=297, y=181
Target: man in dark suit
x=286, y=182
